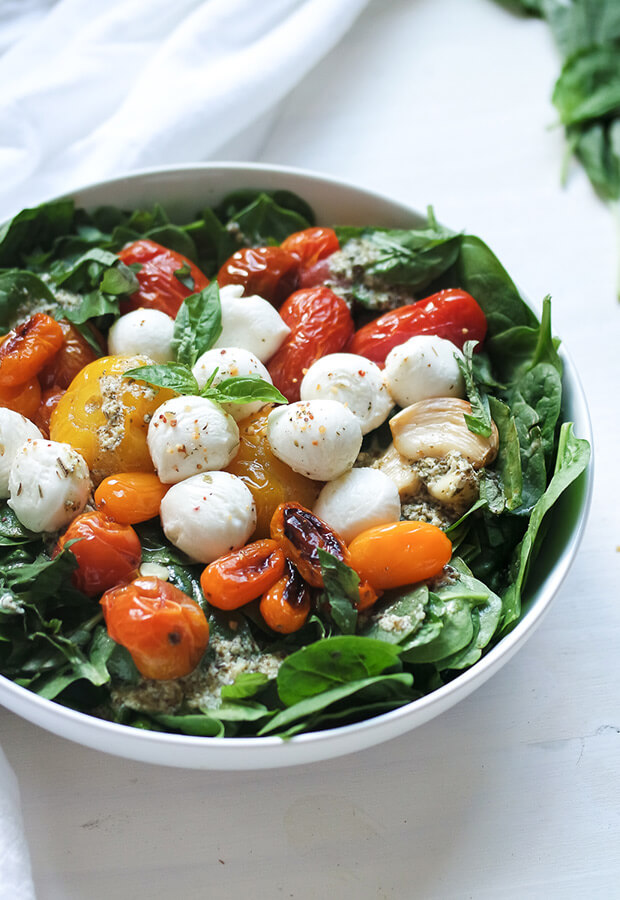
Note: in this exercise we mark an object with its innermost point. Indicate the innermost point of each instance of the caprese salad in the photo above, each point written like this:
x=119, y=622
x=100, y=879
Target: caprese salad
x=260, y=476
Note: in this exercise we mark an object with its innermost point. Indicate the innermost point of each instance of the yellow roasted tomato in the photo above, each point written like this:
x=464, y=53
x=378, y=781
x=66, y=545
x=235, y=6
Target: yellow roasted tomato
x=105, y=417
x=270, y=481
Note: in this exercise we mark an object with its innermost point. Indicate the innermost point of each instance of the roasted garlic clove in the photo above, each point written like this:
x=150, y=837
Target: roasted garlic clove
x=437, y=426
x=400, y=471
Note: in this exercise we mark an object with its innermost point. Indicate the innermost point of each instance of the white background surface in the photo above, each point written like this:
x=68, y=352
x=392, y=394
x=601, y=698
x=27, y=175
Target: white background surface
x=514, y=793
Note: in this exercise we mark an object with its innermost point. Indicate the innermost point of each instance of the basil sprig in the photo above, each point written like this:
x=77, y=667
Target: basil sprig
x=197, y=327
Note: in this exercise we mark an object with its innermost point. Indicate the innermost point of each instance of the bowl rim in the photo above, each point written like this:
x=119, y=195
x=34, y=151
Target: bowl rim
x=52, y=715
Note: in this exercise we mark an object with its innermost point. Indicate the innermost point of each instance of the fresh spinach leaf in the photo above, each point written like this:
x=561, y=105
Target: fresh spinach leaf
x=479, y=422
x=341, y=591
x=20, y=289
x=34, y=228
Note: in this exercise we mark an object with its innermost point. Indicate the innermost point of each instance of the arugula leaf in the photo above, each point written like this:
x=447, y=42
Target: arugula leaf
x=198, y=324
x=341, y=591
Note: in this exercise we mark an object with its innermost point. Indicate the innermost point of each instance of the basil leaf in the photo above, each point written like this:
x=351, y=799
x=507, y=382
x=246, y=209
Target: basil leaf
x=198, y=325
x=243, y=389
x=341, y=591
x=175, y=376
x=479, y=422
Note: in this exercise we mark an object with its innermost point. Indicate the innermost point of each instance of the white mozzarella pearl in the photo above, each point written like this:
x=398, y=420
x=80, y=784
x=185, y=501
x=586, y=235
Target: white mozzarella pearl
x=423, y=367
x=231, y=362
x=352, y=380
x=208, y=515
x=188, y=435
x=15, y=430
x=317, y=438
x=143, y=331
x=49, y=485
x=250, y=322
x=359, y=499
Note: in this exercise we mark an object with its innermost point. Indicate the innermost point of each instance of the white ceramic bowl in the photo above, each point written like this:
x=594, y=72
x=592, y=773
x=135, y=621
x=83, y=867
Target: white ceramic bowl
x=182, y=191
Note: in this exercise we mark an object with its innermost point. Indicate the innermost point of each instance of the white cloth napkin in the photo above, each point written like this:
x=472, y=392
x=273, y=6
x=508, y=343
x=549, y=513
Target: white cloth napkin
x=98, y=89
x=91, y=90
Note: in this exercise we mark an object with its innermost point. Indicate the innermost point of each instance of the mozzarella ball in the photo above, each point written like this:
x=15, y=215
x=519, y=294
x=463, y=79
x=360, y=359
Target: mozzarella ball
x=317, y=438
x=359, y=499
x=231, y=362
x=250, y=322
x=49, y=485
x=208, y=515
x=15, y=430
x=143, y=331
x=423, y=367
x=188, y=435
x=352, y=380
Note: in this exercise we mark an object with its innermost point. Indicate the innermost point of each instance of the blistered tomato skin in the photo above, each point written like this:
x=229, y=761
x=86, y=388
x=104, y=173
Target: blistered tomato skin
x=286, y=606
x=75, y=352
x=311, y=245
x=238, y=578
x=105, y=417
x=270, y=272
x=301, y=535
x=452, y=314
x=23, y=398
x=164, y=630
x=160, y=288
x=47, y=404
x=107, y=553
x=320, y=323
x=269, y=480
x=391, y=556
x=130, y=497
x=28, y=348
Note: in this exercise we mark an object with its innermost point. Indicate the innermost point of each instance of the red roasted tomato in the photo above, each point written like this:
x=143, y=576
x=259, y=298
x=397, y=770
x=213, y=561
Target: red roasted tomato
x=270, y=272
x=160, y=286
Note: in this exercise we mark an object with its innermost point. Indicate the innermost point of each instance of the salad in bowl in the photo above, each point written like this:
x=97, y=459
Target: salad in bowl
x=264, y=477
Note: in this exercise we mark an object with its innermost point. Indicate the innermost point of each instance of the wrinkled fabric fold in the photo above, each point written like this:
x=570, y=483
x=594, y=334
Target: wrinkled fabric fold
x=94, y=90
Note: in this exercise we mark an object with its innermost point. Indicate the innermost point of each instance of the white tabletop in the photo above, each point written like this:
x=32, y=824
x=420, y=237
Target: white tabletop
x=514, y=793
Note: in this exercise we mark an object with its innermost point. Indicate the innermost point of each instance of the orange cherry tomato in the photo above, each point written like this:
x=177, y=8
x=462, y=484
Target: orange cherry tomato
x=107, y=553
x=320, y=323
x=48, y=403
x=160, y=288
x=29, y=347
x=131, y=497
x=240, y=577
x=286, y=606
x=390, y=556
x=74, y=353
x=23, y=398
x=301, y=535
x=368, y=597
x=311, y=245
x=164, y=630
x=270, y=272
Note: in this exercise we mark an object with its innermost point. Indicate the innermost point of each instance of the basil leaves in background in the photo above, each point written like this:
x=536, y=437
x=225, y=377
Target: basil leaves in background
x=587, y=92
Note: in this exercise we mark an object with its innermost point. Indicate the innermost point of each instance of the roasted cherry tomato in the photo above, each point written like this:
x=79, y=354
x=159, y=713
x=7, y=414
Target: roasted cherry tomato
x=107, y=553
x=24, y=398
x=160, y=285
x=48, y=403
x=301, y=535
x=311, y=245
x=270, y=272
x=286, y=606
x=320, y=323
x=270, y=481
x=131, y=497
x=451, y=314
x=29, y=347
x=75, y=353
x=390, y=556
x=240, y=577
x=165, y=631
